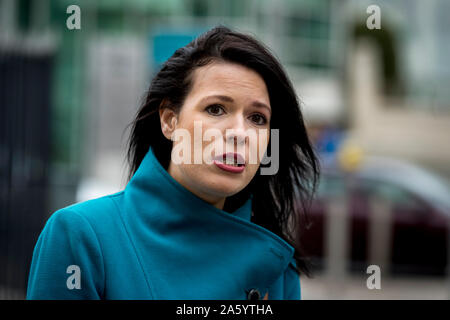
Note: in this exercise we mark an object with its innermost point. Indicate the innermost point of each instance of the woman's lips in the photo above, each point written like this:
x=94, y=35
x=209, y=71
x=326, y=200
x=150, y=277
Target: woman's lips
x=229, y=168
x=219, y=162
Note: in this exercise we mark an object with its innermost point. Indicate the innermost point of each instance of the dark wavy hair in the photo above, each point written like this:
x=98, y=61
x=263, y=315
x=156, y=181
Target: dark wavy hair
x=278, y=200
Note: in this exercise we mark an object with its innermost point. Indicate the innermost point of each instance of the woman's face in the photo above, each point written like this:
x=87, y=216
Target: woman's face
x=233, y=100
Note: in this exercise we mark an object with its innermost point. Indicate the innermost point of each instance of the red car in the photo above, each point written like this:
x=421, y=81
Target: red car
x=420, y=212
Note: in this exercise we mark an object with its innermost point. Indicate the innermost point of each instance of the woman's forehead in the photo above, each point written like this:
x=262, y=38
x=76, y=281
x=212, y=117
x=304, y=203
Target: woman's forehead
x=229, y=79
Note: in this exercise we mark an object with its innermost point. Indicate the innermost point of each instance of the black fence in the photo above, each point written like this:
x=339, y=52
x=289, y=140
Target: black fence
x=25, y=104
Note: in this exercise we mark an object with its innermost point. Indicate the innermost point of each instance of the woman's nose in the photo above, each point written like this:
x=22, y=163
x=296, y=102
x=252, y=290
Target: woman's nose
x=236, y=134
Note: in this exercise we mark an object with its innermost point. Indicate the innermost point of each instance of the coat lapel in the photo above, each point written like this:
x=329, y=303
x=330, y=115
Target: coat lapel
x=189, y=249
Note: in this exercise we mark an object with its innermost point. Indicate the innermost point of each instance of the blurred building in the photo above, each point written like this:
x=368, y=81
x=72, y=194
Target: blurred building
x=398, y=101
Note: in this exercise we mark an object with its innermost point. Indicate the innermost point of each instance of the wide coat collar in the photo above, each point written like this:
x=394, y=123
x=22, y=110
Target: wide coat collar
x=189, y=249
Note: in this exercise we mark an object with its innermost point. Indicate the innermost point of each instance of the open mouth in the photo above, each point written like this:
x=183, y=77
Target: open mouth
x=231, y=159
x=232, y=162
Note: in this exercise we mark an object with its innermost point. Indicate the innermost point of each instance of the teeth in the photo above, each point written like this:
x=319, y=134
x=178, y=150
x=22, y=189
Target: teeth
x=231, y=162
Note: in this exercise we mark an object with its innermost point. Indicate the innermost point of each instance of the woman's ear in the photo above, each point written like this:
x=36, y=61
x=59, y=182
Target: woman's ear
x=168, y=119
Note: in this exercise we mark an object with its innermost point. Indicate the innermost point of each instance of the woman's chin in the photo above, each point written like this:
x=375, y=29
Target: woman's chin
x=225, y=186
x=226, y=190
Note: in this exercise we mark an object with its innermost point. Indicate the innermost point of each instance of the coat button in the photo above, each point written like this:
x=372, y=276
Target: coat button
x=253, y=294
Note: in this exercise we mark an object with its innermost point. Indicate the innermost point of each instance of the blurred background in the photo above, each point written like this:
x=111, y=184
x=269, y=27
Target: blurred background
x=376, y=103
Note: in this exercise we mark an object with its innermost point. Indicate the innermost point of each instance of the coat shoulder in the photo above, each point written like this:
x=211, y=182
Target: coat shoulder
x=96, y=210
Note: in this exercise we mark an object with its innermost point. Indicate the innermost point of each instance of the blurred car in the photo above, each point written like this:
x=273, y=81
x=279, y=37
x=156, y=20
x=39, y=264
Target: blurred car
x=420, y=210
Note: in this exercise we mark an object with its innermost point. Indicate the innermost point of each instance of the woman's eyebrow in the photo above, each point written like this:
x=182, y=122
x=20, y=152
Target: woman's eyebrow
x=229, y=99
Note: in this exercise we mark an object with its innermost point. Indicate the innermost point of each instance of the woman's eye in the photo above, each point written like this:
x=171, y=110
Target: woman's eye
x=259, y=119
x=214, y=109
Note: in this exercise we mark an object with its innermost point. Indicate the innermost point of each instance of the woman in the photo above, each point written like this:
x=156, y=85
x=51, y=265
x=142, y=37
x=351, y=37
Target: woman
x=199, y=227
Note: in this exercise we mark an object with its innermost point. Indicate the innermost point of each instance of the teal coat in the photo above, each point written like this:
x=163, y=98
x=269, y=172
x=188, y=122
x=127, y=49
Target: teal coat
x=157, y=240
